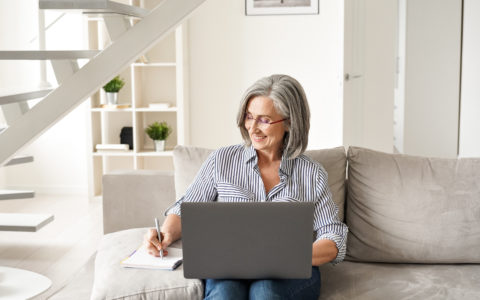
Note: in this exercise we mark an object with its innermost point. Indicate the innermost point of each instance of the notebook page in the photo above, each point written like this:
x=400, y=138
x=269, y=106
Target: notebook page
x=141, y=259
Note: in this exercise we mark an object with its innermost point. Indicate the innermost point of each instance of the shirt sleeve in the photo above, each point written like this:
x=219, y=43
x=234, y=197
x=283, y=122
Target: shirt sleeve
x=326, y=222
x=203, y=188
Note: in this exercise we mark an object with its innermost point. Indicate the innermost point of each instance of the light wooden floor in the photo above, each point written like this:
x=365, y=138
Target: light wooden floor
x=60, y=249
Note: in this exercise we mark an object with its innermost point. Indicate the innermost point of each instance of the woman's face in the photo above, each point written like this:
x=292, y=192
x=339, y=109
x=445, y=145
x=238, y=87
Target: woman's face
x=267, y=138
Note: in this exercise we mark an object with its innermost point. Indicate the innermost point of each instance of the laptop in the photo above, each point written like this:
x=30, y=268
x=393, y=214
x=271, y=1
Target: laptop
x=247, y=240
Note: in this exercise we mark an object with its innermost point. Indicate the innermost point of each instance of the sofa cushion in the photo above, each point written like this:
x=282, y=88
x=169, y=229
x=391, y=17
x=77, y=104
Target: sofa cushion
x=404, y=208
x=112, y=281
x=188, y=160
x=355, y=280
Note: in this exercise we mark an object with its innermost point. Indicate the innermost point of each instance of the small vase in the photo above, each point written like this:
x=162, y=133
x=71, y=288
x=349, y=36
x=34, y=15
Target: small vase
x=159, y=145
x=112, y=98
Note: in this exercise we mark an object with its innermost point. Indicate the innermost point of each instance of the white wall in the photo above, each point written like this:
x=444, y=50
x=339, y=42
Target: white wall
x=432, y=77
x=60, y=158
x=229, y=51
x=470, y=99
x=21, y=15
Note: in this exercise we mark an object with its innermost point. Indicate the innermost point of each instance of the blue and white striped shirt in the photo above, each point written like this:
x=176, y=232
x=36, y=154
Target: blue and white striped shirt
x=231, y=174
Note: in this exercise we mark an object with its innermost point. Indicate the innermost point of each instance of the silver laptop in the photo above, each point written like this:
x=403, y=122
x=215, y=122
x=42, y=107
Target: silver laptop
x=247, y=240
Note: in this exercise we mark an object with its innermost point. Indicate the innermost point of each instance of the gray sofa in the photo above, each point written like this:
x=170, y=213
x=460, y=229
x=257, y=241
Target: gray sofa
x=414, y=227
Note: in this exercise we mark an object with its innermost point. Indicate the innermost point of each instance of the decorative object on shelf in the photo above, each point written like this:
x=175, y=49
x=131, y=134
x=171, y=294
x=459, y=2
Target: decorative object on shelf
x=283, y=7
x=158, y=132
x=112, y=88
x=126, y=136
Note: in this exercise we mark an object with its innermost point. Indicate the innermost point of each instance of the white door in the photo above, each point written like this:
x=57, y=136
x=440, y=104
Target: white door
x=369, y=69
x=353, y=61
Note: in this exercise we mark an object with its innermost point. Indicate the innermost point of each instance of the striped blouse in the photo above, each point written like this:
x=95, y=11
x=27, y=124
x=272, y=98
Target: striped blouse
x=231, y=174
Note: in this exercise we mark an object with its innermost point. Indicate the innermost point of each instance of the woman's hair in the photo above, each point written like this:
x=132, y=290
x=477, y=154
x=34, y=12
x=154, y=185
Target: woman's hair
x=289, y=101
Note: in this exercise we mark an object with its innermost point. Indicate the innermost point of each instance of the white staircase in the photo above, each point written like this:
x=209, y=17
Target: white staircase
x=25, y=124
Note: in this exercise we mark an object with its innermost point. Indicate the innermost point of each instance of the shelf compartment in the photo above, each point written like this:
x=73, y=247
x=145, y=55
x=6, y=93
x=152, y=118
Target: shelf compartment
x=154, y=85
x=155, y=163
x=142, y=142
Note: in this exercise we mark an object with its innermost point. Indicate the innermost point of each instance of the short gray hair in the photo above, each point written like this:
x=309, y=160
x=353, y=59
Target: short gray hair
x=290, y=101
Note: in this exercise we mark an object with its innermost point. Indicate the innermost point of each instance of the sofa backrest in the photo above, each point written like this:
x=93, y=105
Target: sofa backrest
x=188, y=160
x=408, y=209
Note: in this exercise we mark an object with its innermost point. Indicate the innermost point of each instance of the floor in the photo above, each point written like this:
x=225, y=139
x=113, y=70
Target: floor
x=62, y=250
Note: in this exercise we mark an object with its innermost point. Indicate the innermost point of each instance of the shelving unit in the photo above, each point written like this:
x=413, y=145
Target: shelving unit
x=157, y=76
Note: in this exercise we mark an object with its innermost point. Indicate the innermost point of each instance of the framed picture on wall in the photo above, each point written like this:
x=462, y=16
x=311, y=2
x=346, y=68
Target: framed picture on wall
x=281, y=7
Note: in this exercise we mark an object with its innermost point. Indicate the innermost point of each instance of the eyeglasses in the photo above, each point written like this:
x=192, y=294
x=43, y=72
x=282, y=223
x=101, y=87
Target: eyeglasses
x=262, y=122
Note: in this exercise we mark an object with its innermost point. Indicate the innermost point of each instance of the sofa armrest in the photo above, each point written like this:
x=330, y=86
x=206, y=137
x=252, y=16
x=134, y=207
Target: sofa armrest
x=133, y=199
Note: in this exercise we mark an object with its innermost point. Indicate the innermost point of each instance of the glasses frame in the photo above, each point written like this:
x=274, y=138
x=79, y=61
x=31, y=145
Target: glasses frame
x=259, y=122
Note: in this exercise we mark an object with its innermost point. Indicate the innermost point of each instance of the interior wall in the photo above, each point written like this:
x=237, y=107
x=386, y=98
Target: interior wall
x=21, y=15
x=60, y=157
x=432, y=77
x=230, y=51
x=470, y=99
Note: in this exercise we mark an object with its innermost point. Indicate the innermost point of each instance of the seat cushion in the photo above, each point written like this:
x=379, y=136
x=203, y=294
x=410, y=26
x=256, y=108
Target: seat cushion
x=115, y=282
x=188, y=160
x=410, y=209
x=370, y=281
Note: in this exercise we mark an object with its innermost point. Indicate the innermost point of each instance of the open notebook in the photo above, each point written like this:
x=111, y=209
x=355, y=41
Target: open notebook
x=141, y=259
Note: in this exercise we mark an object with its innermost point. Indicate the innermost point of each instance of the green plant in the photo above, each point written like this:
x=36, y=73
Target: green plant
x=114, y=85
x=158, y=131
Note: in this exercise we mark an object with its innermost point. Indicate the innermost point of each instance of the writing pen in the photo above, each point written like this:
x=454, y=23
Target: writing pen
x=159, y=236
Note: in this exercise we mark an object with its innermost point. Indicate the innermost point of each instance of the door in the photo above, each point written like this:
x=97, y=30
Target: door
x=369, y=73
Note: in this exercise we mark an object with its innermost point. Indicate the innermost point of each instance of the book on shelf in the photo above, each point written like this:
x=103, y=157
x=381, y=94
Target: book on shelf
x=159, y=105
x=111, y=147
x=142, y=260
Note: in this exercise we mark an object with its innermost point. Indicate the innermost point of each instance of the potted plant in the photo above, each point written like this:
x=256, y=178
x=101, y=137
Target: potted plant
x=112, y=88
x=158, y=132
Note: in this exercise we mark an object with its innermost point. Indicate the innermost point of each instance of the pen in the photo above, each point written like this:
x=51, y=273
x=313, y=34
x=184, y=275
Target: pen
x=159, y=236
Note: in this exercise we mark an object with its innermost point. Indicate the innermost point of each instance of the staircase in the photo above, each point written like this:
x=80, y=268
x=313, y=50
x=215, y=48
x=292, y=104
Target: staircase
x=75, y=84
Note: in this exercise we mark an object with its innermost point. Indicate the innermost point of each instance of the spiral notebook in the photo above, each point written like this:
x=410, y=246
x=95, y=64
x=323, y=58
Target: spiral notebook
x=142, y=260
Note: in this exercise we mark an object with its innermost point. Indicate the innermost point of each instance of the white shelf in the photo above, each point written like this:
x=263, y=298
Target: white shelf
x=148, y=109
x=152, y=153
x=99, y=109
x=157, y=64
x=113, y=153
x=160, y=81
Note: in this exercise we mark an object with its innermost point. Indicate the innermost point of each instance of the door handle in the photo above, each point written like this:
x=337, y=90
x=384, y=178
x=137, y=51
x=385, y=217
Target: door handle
x=349, y=76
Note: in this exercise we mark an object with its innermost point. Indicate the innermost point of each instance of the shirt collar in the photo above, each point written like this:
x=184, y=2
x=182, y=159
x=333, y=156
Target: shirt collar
x=250, y=158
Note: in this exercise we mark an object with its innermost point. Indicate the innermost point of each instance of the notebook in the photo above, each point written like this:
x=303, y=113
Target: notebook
x=247, y=240
x=142, y=260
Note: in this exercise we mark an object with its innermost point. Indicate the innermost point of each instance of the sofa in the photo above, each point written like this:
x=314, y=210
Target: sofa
x=414, y=227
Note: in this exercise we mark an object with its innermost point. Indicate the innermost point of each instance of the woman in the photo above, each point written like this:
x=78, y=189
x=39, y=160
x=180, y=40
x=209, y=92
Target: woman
x=274, y=121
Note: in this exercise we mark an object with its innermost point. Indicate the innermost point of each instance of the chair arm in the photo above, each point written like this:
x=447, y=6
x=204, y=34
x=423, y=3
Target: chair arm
x=133, y=198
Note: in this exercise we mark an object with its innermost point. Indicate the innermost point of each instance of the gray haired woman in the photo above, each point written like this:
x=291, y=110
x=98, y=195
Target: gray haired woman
x=274, y=120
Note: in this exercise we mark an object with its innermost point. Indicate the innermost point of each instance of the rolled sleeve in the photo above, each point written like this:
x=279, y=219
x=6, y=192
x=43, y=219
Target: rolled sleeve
x=327, y=225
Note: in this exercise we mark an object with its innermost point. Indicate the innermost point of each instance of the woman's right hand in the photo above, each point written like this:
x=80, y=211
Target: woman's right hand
x=153, y=245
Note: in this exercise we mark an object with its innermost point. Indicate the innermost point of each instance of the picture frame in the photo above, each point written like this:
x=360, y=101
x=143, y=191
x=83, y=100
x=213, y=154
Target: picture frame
x=281, y=7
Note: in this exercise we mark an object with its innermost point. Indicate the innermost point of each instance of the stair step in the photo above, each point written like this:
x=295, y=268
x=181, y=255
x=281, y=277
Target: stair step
x=19, y=160
x=95, y=7
x=15, y=194
x=23, y=96
x=24, y=222
x=47, y=54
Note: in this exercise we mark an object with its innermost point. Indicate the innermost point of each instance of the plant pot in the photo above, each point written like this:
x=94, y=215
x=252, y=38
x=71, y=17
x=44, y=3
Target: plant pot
x=112, y=98
x=159, y=145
